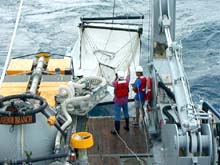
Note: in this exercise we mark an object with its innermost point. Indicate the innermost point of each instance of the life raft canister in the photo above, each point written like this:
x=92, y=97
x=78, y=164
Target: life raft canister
x=148, y=94
x=121, y=89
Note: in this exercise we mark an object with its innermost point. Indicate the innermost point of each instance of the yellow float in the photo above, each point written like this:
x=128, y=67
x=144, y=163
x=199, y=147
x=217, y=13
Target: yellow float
x=81, y=140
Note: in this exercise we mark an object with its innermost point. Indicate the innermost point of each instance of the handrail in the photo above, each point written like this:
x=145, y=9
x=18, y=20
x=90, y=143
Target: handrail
x=208, y=107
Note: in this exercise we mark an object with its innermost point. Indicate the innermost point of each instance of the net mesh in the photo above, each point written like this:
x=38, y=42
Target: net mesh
x=105, y=51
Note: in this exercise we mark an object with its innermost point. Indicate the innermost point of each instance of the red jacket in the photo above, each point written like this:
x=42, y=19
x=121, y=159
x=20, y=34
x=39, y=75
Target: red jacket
x=121, y=88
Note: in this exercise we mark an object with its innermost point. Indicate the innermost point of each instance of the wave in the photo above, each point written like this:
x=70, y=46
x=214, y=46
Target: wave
x=201, y=52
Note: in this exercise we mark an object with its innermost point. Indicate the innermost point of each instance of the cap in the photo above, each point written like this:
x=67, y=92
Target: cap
x=139, y=69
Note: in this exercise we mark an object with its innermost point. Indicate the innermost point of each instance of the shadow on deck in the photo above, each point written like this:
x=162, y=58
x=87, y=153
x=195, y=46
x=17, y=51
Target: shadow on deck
x=110, y=149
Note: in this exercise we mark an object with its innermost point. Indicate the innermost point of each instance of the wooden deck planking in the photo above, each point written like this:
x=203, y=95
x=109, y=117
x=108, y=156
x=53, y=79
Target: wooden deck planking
x=105, y=143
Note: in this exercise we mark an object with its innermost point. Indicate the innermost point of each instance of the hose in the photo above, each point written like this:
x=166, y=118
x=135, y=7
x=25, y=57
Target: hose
x=70, y=91
x=171, y=120
x=64, y=126
x=30, y=160
x=102, y=84
x=167, y=90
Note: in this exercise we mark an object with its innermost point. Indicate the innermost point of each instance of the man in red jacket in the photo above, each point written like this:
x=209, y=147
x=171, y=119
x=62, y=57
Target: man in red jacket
x=121, y=90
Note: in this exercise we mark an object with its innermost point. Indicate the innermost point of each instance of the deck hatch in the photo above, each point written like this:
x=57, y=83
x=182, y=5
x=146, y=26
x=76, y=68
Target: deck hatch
x=12, y=88
x=62, y=64
x=19, y=66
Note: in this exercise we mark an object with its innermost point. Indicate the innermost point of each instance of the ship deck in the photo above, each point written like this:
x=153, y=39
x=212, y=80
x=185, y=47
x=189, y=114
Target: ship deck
x=110, y=149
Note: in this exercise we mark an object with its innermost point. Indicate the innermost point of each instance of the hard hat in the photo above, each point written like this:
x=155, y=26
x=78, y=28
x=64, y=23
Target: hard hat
x=121, y=74
x=139, y=69
x=79, y=72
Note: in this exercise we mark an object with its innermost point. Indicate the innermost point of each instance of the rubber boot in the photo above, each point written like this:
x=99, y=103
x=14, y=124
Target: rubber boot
x=117, y=128
x=126, y=127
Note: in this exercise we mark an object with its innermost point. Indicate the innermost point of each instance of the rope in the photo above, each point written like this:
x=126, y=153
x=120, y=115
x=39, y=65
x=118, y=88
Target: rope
x=149, y=32
x=12, y=42
x=109, y=36
x=132, y=47
x=129, y=149
x=94, y=47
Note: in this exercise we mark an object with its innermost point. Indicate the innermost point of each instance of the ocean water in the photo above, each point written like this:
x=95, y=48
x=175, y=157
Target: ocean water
x=51, y=25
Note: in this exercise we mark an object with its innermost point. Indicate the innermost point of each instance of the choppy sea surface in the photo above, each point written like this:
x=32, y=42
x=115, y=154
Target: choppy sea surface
x=51, y=25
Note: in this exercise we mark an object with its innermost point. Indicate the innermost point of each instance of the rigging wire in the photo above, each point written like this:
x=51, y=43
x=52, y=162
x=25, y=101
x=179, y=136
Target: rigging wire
x=110, y=33
x=113, y=12
x=132, y=47
x=12, y=43
x=92, y=46
x=126, y=10
x=149, y=32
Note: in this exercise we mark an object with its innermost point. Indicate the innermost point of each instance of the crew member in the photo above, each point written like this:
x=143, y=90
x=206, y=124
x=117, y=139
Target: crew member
x=121, y=90
x=139, y=87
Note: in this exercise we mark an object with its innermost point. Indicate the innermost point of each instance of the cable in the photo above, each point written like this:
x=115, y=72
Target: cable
x=113, y=12
x=129, y=149
x=109, y=36
x=12, y=42
x=132, y=47
x=149, y=32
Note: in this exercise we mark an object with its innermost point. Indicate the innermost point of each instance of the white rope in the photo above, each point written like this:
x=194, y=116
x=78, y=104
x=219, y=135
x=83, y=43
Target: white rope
x=11, y=44
x=129, y=149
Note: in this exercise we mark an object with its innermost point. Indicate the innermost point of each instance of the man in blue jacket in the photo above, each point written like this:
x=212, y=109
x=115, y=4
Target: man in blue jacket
x=139, y=87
